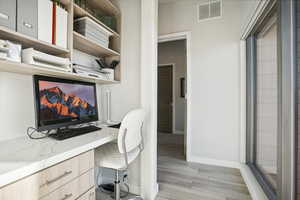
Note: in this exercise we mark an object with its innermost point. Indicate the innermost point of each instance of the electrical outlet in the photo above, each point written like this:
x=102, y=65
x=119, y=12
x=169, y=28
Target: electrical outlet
x=125, y=177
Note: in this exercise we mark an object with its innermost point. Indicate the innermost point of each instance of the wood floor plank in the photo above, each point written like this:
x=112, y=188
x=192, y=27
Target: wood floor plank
x=180, y=180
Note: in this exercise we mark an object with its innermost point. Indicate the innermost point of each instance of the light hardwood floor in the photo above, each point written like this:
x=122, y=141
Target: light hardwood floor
x=180, y=180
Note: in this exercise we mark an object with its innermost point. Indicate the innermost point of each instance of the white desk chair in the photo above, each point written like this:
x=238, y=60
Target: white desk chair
x=119, y=155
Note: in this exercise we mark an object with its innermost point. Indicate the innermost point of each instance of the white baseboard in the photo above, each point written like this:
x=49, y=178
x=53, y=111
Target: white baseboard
x=178, y=132
x=209, y=161
x=254, y=188
x=134, y=189
x=155, y=191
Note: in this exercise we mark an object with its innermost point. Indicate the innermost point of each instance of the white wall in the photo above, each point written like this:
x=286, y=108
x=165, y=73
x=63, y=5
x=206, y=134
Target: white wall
x=16, y=105
x=248, y=8
x=175, y=52
x=214, y=78
x=149, y=24
x=126, y=96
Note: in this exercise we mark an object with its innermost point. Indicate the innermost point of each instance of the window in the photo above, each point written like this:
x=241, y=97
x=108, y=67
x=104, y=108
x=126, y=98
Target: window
x=263, y=102
x=271, y=100
x=267, y=102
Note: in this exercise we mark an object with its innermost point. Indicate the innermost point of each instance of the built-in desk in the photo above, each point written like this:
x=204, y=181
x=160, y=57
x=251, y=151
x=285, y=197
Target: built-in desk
x=30, y=161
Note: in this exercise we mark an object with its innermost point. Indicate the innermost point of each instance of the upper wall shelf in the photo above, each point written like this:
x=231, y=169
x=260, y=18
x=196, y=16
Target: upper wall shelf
x=88, y=46
x=80, y=12
x=22, y=68
x=65, y=2
x=28, y=41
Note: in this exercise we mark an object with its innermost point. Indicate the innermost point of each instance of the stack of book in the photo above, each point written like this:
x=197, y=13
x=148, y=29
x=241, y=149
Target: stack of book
x=92, y=72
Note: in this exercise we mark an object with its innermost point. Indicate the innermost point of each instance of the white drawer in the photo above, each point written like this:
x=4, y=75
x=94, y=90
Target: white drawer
x=26, y=189
x=44, y=182
x=86, y=162
x=90, y=195
x=74, y=189
x=60, y=174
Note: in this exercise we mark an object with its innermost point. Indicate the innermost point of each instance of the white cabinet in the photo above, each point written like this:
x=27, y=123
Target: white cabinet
x=67, y=180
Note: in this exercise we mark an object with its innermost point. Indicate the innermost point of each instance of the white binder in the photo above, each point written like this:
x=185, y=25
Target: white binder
x=33, y=57
x=61, y=27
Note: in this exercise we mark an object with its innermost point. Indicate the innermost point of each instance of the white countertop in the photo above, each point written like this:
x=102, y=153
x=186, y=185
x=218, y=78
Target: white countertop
x=22, y=157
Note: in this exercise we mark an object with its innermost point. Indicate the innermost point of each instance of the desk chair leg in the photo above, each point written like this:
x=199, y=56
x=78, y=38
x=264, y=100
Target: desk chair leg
x=117, y=185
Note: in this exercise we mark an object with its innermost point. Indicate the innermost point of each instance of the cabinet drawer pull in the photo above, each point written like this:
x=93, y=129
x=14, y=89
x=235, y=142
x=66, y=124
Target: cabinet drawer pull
x=66, y=173
x=67, y=196
x=4, y=16
x=27, y=25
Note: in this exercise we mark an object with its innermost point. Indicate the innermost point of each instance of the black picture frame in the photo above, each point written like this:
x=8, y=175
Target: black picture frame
x=182, y=87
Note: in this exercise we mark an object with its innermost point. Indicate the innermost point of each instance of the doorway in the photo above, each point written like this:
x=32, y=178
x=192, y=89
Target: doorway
x=165, y=94
x=172, y=96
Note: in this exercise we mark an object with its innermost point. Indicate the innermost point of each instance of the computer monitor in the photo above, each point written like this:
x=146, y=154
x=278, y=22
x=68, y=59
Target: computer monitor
x=60, y=103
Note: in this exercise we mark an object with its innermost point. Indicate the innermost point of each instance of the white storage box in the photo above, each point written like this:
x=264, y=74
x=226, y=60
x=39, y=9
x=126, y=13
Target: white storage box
x=61, y=27
x=92, y=31
x=95, y=38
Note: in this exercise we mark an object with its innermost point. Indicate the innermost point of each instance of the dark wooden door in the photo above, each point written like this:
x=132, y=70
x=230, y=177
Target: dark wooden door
x=165, y=99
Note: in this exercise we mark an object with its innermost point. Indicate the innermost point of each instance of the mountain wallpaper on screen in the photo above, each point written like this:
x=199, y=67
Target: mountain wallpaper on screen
x=55, y=104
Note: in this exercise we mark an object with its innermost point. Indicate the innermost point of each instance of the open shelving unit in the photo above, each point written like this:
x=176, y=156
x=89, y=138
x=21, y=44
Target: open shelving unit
x=74, y=40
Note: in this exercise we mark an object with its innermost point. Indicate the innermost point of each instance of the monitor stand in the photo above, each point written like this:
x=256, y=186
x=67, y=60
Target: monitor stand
x=65, y=133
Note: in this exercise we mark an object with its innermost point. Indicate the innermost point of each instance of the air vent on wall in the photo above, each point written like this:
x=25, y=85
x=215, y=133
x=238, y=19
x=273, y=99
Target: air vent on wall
x=210, y=10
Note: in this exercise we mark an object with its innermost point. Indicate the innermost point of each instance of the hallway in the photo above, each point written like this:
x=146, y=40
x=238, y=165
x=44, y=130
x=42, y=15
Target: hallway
x=179, y=180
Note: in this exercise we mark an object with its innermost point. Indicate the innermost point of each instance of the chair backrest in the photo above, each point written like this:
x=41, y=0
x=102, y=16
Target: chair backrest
x=130, y=133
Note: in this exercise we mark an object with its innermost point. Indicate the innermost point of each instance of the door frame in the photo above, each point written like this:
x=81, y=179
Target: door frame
x=173, y=93
x=187, y=37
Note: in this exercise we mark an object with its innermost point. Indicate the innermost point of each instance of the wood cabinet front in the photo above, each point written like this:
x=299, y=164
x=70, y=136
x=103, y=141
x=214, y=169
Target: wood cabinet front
x=65, y=181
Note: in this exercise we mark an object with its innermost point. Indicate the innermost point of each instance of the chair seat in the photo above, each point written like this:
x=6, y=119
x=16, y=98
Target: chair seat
x=108, y=156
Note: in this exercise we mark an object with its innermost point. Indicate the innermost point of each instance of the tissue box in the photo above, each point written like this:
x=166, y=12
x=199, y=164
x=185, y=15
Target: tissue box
x=10, y=51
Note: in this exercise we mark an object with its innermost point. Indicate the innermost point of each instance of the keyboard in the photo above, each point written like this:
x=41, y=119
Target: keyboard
x=115, y=126
x=63, y=134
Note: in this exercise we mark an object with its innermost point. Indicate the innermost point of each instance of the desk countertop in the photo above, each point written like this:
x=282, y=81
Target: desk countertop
x=22, y=157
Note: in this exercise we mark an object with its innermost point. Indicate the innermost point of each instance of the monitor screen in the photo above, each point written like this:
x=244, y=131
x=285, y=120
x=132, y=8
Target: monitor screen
x=61, y=102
